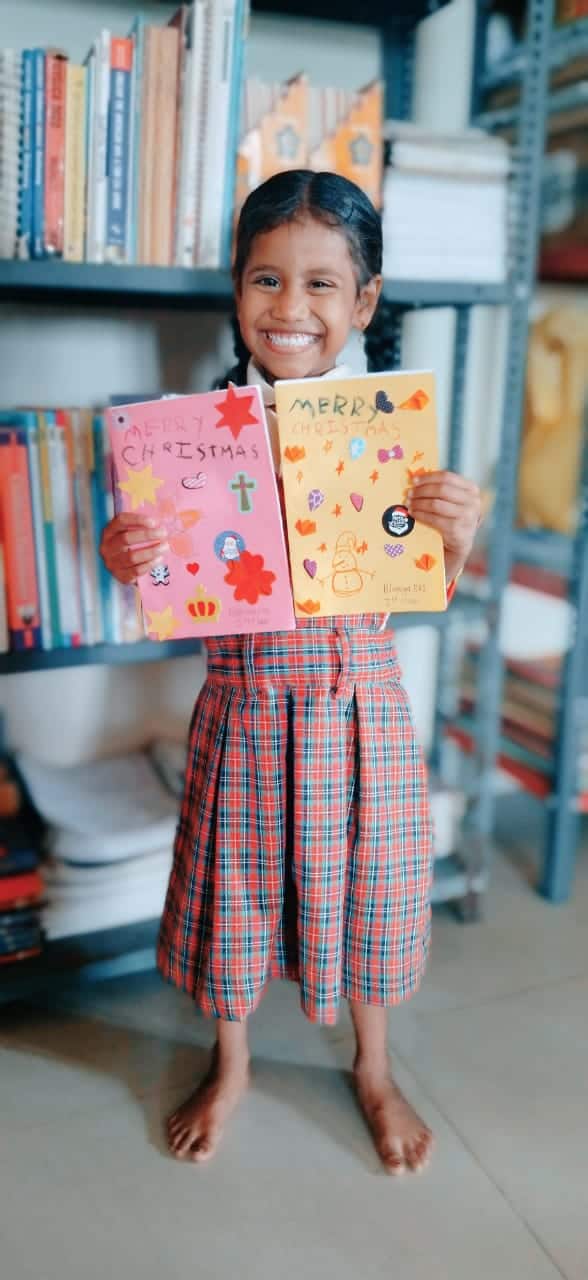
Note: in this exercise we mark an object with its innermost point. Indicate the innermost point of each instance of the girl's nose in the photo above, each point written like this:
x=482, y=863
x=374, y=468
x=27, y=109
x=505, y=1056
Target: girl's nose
x=290, y=305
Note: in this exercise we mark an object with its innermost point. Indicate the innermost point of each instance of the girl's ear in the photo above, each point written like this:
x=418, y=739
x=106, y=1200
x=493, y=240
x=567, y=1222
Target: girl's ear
x=367, y=302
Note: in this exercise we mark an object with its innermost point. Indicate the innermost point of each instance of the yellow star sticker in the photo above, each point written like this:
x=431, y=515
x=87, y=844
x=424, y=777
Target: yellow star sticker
x=141, y=486
x=163, y=624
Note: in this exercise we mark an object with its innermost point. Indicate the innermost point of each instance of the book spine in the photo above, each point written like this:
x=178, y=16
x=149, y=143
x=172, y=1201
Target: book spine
x=192, y=137
x=55, y=84
x=86, y=549
x=38, y=152
x=102, y=514
x=138, y=38
x=45, y=451
x=65, y=534
x=18, y=540
x=75, y=163
x=165, y=146
x=216, y=128
x=4, y=635
x=32, y=434
x=145, y=195
x=25, y=208
x=235, y=98
x=99, y=129
x=118, y=148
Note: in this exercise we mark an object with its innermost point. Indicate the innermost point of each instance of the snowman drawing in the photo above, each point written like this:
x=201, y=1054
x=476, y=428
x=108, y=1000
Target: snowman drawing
x=346, y=578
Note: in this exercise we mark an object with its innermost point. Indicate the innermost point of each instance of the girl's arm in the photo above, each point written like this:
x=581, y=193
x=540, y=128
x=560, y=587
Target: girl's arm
x=451, y=504
x=131, y=545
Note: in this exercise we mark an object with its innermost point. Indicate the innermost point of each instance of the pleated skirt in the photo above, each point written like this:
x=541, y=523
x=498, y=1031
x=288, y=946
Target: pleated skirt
x=304, y=846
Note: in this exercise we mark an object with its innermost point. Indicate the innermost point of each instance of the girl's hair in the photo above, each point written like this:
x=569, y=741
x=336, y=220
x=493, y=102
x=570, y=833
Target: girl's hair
x=292, y=195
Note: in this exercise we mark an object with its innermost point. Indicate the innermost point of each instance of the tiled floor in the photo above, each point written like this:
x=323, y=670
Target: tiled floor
x=493, y=1050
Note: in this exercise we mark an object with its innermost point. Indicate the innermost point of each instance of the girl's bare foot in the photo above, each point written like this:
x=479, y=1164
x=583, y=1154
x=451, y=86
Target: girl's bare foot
x=195, y=1129
x=401, y=1138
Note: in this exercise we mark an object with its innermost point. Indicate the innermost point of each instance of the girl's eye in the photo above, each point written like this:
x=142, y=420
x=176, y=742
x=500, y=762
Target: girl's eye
x=268, y=282
x=320, y=284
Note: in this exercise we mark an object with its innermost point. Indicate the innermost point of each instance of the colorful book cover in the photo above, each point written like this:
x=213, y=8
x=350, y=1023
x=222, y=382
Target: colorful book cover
x=68, y=566
x=75, y=164
x=4, y=634
x=38, y=213
x=350, y=450
x=86, y=539
x=102, y=509
x=117, y=151
x=25, y=208
x=354, y=148
x=55, y=94
x=201, y=466
x=239, y=39
x=28, y=422
x=99, y=62
x=24, y=621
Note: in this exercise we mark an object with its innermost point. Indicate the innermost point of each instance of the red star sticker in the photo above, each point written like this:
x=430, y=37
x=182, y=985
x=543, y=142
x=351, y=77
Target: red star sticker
x=340, y=468
x=337, y=510
x=375, y=476
x=235, y=412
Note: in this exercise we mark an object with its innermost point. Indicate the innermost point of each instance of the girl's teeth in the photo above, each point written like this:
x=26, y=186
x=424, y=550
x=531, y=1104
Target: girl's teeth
x=292, y=340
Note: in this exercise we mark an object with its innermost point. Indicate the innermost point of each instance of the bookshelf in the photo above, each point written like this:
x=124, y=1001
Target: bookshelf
x=15, y=663
x=462, y=877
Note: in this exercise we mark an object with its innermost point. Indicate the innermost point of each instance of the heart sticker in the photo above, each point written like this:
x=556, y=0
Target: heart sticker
x=383, y=403
x=193, y=569
x=356, y=501
x=311, y=567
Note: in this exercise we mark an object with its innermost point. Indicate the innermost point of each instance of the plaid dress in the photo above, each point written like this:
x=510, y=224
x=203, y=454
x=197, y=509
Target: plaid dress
x=304, y=844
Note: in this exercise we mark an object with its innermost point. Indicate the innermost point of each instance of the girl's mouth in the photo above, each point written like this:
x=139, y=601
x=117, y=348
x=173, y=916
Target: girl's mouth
x=279, y=340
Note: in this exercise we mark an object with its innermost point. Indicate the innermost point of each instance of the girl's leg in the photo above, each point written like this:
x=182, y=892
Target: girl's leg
x=195, y=1129
x=402, y=1139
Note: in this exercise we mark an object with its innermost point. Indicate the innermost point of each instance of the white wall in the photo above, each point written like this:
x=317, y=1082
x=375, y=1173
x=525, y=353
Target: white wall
x=67, y=354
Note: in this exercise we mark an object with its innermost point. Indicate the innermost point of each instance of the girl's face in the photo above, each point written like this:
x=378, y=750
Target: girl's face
x=298, y=299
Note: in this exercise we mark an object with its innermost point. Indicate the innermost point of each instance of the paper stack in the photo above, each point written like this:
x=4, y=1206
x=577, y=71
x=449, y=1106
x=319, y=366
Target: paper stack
x=446, y=205
x=110, y=831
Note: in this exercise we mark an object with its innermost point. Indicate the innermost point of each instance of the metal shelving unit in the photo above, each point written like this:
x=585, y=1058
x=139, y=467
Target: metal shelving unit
x=562, y=561
x=463, y=876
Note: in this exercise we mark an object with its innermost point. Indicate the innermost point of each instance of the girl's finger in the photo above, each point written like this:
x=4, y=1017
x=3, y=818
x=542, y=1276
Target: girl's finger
x=419, y=507
x=137, y=538
x=133, y=559
x=447, y=490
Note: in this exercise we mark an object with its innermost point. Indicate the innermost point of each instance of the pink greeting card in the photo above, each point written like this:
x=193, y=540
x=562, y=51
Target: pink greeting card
x=201, y=466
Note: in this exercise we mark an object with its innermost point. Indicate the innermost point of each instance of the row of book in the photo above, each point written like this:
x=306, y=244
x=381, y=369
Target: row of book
x=129, y=157
x=21, y=886
x=530, y=709
x=56, y=495
x=446, y=205
x=296, y=125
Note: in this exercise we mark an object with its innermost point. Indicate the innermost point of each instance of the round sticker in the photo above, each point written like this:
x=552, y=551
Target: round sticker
x=228, y=545
x=398, y=521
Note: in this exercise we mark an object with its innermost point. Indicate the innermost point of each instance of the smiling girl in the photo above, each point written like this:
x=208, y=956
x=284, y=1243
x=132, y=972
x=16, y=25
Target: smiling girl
x=304, y=843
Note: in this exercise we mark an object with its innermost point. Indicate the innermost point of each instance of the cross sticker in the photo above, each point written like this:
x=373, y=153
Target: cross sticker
x=244, y=488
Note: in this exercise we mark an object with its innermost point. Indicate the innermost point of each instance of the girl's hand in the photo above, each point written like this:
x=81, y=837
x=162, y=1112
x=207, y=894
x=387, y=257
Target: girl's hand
x=449, y=503
x=131, y=545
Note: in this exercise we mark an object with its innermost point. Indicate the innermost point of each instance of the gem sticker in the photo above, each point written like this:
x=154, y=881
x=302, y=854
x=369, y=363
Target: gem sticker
x=315, y=499
x=357, y=448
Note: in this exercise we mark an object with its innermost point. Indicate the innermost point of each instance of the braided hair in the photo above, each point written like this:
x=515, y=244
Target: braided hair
x=297, y=193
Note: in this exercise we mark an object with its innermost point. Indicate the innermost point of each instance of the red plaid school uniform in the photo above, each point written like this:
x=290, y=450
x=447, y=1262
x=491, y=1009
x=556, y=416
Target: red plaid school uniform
x=304, y=844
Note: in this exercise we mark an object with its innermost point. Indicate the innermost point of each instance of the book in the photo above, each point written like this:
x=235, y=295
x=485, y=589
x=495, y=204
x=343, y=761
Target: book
x=137, y=35
x=38, y=211
x=164, y=166
x=201, y=466
x=66, y=534
x=87, y=550
x=10, y=129
x=18, y=540
x=190, y=22
x=240, y=31
x=55, y=98
x=75, y=164
x=98, y=63
x=27, y=421
x=4, y=635
x=350, y=450
x=100, y=484
x=46, y=451
x=25, y=192
x=147, y=145
x=218, y=86
x=22, y=890
x=118, y=148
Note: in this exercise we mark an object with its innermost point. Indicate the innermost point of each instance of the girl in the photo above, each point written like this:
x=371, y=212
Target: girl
x=304, y=843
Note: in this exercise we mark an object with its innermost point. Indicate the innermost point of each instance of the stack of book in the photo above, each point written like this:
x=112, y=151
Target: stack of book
x=530, y=709
x=110, y=829
x=21, y=887
x=56, y=495
x=446, y=205
x=296, y=125
x=129, y=157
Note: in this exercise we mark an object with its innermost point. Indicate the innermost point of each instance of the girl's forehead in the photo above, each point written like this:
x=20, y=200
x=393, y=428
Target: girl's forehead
x=312, y=242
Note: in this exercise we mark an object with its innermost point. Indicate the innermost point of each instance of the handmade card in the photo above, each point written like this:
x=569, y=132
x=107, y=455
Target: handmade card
x=350, y=449
x=201, y=466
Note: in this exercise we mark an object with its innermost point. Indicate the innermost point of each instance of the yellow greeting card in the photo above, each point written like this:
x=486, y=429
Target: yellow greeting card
x=350, y=450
